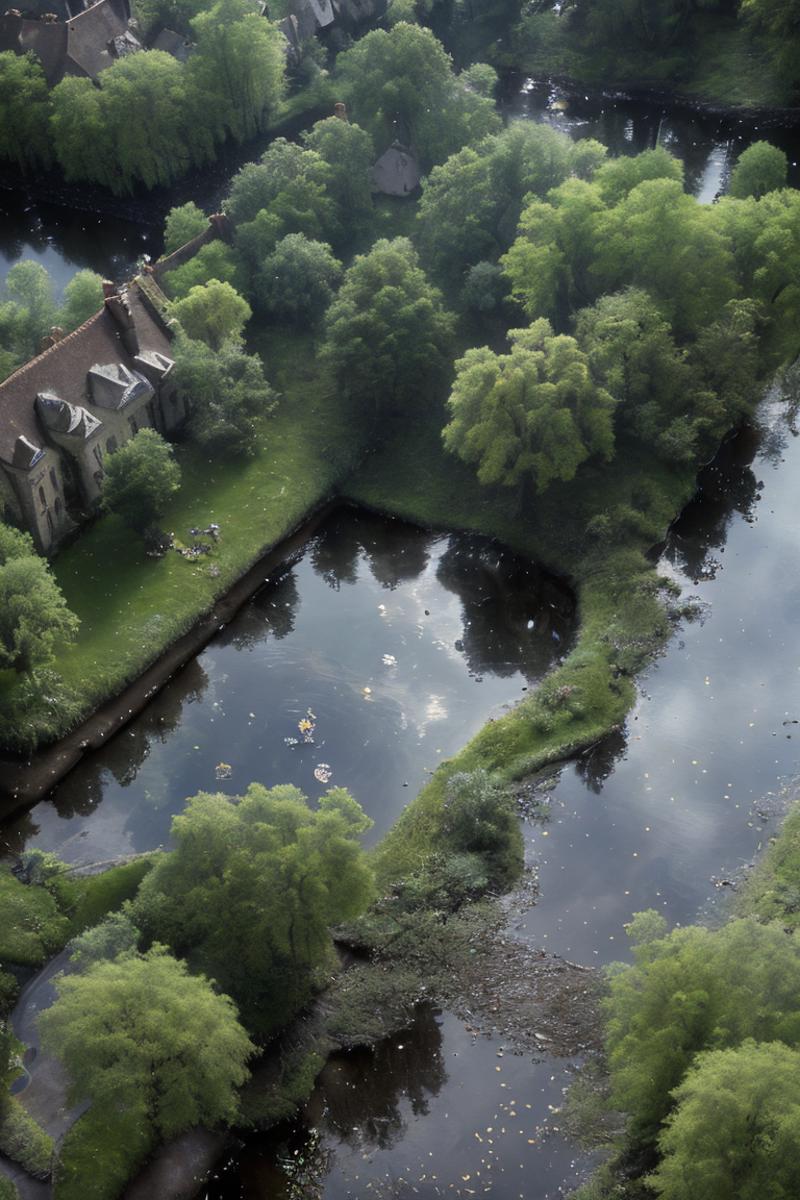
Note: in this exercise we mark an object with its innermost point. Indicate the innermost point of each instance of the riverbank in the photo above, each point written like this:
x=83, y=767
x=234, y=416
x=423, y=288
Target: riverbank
x=720, y=68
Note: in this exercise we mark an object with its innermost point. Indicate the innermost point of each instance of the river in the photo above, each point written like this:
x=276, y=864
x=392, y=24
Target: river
x=397, y=644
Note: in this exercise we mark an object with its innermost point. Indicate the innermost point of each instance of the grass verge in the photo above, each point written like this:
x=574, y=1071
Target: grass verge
x=24, y=1141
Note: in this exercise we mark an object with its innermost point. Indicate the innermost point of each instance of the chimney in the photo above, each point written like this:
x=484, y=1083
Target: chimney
x=221, y=226
x=340, y=111
x=109, y=289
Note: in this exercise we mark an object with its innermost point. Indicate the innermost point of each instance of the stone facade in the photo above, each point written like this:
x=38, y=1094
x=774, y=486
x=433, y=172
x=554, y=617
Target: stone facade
x=65, y=410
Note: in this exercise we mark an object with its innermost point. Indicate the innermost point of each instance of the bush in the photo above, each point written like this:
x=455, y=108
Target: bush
x=8, y=1190
x=31, y=926
x=9, y=989
x=23, y=1141
x=100, y=1153
x=479, y=818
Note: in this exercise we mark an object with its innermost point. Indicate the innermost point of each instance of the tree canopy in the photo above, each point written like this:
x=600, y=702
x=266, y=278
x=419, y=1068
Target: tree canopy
x=24, y=111
x=183, y=222
x=141, y=478
x=225, y=391
x=213, y=313
x=761, y=168
x=297, y=281
x=387, y=334
x=140, y=1034
x=348, y=151
x=83, y=297
x=251, y=889
x=531, y=416
x=735, y=1131
x=401, y=86
x=34, y=617
x=691, y=991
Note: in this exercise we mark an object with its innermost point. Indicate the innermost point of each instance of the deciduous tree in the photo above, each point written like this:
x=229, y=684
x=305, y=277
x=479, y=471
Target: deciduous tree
x=251, y=889
x=139, y=1034
x=297, y=281
x=83, y=297
x=183, y=222
x=34, y=617
x=761, y=168
x=24, y=111
x=387, y=333
x=225, y=392
x=531, y=416
x=141, y=478
x=213, y=313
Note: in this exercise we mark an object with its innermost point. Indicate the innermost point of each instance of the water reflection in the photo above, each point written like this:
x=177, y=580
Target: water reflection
x=707, y=143
x=403, y=644
x=435, y=1110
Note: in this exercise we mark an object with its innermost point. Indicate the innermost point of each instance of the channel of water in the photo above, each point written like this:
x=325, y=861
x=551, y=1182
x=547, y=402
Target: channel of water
x=444, y=632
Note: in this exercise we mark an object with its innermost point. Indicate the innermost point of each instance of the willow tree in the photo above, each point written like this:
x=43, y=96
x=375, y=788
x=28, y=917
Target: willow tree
x=530, y=417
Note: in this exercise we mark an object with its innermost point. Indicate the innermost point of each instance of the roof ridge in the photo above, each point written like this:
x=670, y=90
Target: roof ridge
x=37, y=358
x=83, y=12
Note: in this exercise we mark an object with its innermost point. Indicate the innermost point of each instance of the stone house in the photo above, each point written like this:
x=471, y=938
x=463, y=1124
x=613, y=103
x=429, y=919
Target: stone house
x=65, y=410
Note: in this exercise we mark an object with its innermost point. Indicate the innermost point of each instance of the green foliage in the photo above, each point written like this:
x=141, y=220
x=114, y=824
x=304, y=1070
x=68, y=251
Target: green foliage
x=83, y=297
x=8, y=1189
x=24, y=111
x=141, y=477
x=213, y=313
x=183, y=222
x=138, y=126
x=484, y=287
x=387, y=334
x=480, y=77
x=30, y=292
x=215, y=260
x=23, y=1141
x=9, y=990
x=140, y=1035
x=549, y=264
x=34, y=618
x=661, y=239
x=251, y=889
x=632, y=353
x=284, y=192
x=400, y=84
x=297, y=282
x=735, y=1131
x=695, y=990
x=772, y=891
x=647, y=926
x=371, y=1002
x=761, y=168
x=115, y=935
x=471, y=204
x=226, y=392
x=106, y=892
x=531, y=416
x=617, y=177
x=479, y=818
x=100, y=1153
x=263, y=1103
x=155, y=15
x=237, y=68
x=349, y=154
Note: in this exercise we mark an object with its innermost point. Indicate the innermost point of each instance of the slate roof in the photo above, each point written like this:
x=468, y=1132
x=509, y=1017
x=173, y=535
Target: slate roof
x=173, y=43
x=62, y=370
x=83, y=45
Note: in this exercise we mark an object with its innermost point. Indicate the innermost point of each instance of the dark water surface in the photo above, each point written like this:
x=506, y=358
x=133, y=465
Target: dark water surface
x=396, y=644
x=656, y=817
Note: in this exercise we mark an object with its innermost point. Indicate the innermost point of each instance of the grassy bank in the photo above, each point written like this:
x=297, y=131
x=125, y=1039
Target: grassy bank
x=622, y=616
x=721, y=64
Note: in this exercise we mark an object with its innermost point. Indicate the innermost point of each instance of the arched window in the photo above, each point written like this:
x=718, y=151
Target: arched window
x=42, y=499
x=54, y=479
x=58, y=506
x=111, y=444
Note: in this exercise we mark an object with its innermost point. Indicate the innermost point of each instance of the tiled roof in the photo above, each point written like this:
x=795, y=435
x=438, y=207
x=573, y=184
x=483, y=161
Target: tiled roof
x=62, y=369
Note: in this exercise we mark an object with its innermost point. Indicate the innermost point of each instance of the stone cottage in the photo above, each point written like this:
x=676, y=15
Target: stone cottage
x=75, y=403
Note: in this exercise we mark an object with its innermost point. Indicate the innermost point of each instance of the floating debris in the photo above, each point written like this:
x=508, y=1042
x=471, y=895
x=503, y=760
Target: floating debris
x=389, y=660
x=291, y=741
x=223, y=770
x=323, y=772
x=307, y=725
